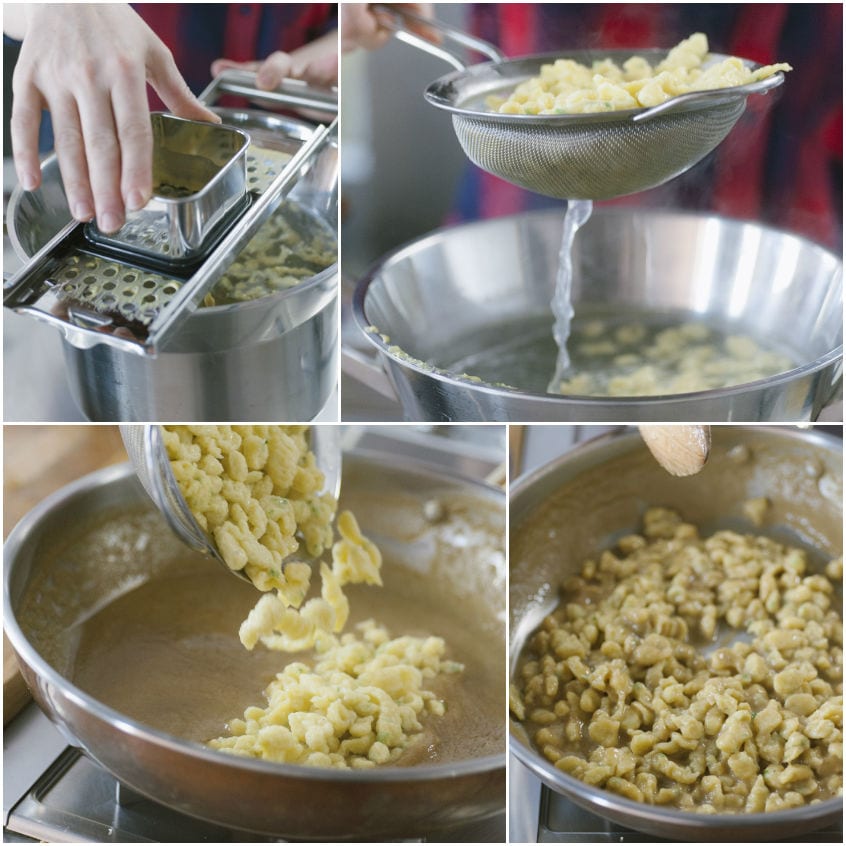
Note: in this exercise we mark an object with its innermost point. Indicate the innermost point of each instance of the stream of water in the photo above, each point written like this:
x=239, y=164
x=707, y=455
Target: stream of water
x=578, y=213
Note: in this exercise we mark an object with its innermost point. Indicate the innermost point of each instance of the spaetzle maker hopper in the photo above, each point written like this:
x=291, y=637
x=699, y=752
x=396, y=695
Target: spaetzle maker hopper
x=138, y=343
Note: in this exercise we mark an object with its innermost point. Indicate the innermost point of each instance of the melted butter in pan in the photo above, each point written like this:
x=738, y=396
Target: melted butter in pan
x=167, y=654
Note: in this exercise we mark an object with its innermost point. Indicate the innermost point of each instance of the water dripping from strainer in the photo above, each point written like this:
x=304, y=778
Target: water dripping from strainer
x=578, y=213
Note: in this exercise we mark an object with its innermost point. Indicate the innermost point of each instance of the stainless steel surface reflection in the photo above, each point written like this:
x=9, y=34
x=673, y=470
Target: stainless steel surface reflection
x=484, y=287
x=266, y=360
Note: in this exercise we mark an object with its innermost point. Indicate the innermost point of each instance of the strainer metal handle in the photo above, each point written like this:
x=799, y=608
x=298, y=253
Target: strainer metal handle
x=397, y=20
x=146, y=450
x=294, y=93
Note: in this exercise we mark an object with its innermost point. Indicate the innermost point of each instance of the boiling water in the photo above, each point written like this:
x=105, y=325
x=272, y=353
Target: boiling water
x=516, y=353
x=578, y=213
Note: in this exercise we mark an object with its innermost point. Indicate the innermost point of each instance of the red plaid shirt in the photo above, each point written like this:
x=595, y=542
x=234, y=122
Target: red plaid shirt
x=199, y=33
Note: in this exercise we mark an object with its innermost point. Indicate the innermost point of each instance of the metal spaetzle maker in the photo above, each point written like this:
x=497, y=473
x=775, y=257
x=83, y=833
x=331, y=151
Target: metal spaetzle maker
x=138, y=344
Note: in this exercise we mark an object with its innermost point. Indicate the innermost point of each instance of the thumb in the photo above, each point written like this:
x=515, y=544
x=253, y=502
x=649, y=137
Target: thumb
x=273, y=70
x=174, y=91
x=218, y=66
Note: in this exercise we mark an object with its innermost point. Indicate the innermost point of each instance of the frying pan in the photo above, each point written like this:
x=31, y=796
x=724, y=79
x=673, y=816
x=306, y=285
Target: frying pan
x=97, y=544
x=599, y=492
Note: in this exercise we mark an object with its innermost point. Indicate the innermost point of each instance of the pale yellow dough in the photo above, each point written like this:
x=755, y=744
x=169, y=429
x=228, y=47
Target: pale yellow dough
x=568, y=87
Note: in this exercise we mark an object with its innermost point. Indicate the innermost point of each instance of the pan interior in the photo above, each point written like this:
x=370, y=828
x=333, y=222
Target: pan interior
x=148, y=628
x=585, y=504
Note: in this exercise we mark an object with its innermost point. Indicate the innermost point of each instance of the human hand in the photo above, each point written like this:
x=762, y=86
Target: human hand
x=361, y=27
x=315, y=62
x=89, y=65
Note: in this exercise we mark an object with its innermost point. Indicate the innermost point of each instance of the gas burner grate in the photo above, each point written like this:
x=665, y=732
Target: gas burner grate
x=76, y=801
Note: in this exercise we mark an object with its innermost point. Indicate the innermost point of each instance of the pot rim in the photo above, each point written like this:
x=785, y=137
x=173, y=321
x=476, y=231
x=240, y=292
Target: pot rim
x=605, y=800
x=28, y=526
x=404, y=360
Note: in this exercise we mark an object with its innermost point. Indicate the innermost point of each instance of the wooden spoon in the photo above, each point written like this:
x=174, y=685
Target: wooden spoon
x=680, y=450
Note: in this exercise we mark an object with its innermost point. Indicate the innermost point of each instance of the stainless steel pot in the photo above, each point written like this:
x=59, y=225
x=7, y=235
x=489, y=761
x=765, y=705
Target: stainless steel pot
x=270, y=359
x=281, y=800
x=482, y=291
x=581, y=503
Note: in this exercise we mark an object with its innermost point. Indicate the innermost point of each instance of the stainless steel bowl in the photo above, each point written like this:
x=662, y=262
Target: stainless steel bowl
x=479, y=288
x=581, y=503
x=253, y=795
x=266, y=360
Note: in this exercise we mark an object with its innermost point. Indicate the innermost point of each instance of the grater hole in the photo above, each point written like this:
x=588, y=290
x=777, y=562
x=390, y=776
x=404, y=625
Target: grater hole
x=150, y=298
x=108, y=286
x=90, y=280
x=110, y=271
x=169, y=289
x=71, y=273
x=129, y=277
x=149, y=283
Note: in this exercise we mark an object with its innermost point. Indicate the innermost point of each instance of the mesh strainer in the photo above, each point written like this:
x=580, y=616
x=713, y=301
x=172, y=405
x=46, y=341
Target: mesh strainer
x=146, y=450
x=573, y=157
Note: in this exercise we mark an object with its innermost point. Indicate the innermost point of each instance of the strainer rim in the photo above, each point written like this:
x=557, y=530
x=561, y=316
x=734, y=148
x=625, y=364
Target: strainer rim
x=444, y=92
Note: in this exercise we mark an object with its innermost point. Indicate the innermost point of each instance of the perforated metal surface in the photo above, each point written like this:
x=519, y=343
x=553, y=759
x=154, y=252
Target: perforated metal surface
x=595, y=162
x=263, y=164
x=113, y=288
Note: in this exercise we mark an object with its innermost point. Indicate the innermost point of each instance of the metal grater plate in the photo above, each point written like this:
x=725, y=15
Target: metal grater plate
x=263, y=164
x=110, y=287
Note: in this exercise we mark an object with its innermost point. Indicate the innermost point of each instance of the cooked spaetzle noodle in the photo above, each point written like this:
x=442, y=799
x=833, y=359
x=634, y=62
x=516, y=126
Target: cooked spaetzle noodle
x=567, y=87
x=616, y=689
x=359, y=706
x=256, y=490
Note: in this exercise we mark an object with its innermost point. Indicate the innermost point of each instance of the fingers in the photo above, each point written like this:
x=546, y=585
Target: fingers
x=24, y=125
x=360, y=28
x=135, y=136
x=218, y=66
x=318, y=69
x=273, y=70
x=172, y=88
x=70, y=151
x=103, y=154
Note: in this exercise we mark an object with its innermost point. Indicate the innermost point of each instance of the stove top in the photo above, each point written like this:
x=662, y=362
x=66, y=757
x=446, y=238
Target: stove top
x=53, y=793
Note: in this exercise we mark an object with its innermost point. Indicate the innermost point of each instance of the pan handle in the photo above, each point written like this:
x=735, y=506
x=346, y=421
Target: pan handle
x=398, y=20
x=291, y=92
